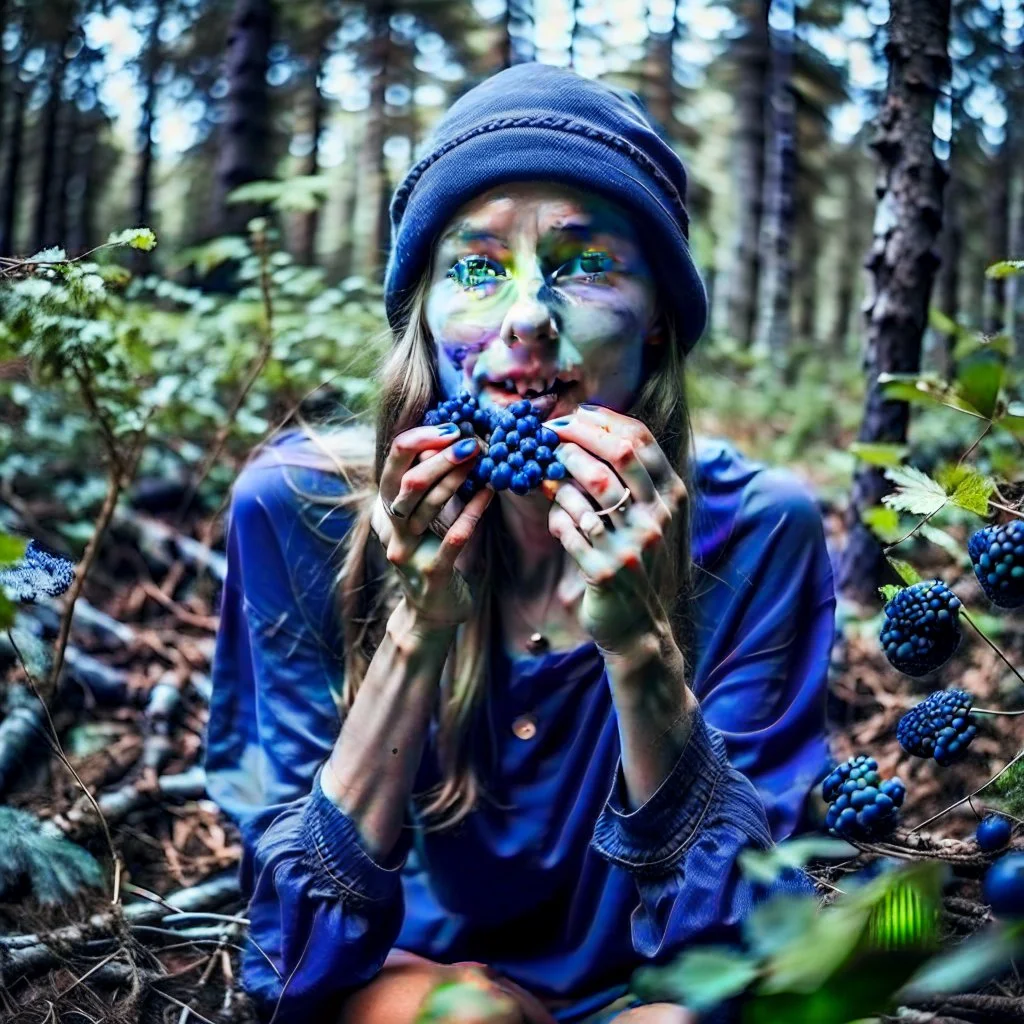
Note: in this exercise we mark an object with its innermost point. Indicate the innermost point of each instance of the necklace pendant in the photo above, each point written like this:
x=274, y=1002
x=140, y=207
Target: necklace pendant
x=537, y=644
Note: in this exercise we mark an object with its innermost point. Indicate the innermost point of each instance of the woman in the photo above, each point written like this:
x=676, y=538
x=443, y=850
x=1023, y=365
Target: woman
x=517, y=741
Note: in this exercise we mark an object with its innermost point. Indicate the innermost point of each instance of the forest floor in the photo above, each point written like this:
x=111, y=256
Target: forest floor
x=134, y=718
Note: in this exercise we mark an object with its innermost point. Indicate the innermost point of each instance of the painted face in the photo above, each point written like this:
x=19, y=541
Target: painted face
x=541, y=290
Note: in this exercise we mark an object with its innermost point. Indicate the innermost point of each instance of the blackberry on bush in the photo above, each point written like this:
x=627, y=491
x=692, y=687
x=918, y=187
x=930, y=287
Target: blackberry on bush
x=993, y=833
x=997, y=554
x=863, y=806
x=940, y=727
x=1004, y=886
x=922, y=628
x=36, y=575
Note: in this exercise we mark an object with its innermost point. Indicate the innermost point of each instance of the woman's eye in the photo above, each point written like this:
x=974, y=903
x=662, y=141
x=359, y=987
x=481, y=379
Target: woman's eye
x=590, y=263
x=470, y=271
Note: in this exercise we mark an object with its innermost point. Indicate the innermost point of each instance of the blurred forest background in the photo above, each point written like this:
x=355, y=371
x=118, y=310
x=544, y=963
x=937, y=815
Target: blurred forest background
x=193, y=230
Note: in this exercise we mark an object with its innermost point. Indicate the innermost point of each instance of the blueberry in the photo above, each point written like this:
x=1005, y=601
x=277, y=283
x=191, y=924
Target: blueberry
x=555, y=471
x=993, y=833
x=501, y=477
x=997, y=555
x=1004, y=886
x=940, y=726
x=917, y=636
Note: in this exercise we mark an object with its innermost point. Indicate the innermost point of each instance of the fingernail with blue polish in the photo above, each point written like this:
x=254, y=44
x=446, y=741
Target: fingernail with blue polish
x=584, y=405
x=465, y=447
x=562, y=421
x=449, y=428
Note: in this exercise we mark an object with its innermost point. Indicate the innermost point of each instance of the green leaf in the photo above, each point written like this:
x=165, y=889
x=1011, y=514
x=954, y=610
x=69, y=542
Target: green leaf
x=52, y=255
x=883, y=522
x=979, y=378
x=941, y=539
x=699, y=978
x=776, y=922
x=938, y=321
x=904, y=570
x=972, y=493
x=459, y=1000
x=978, y=958
x=916, y=492
x=12, y=549
x=136, y=238
x=1004, y=268
x=765, y=866
x=880, y=454
x=889, y=591
x=8, y=611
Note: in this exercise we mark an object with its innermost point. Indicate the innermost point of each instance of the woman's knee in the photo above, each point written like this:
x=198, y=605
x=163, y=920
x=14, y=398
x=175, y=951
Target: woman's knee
x=655, y=1013
x=399, y=994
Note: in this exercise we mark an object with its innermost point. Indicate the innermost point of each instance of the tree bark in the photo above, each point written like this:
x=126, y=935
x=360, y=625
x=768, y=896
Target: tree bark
x=151, y=61
x=307, y=224
x=809, y=251
x=849, y=265
x=12, y=169
x=344, y=264
x=245, y=142
x=752, y=59
x=776, y=279
x=3, y=97
x=951, y=243
x=64, y=173
x=998, y=233
x=42, y=222
x=372, y=222
x=903, y=259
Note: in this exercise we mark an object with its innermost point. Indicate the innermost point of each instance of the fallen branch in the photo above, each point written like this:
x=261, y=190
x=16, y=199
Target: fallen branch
x=164, y=544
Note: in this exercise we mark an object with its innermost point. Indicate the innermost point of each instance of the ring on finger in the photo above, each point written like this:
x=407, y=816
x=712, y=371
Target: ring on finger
x=618, y=506
x=394, y=514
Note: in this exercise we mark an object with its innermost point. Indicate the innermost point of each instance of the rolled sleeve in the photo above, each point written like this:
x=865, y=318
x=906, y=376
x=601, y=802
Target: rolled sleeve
x=339, y=851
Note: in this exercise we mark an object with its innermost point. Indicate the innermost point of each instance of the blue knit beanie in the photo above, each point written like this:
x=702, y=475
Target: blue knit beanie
x=538, y=122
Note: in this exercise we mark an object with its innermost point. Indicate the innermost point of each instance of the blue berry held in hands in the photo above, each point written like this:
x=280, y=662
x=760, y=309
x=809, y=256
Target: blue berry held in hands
x=922, y=628
x=463, y=410
x=993, y=833
x=997, y=554
x=1003, y=888
x=940, y=727
x=863, y=806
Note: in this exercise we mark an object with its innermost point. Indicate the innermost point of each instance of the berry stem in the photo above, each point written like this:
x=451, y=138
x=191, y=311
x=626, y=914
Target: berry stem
x=977, y=630
x=1006, y=508
x=964, y=799
x=988, y=427
x=989, y=711
x=918, y=525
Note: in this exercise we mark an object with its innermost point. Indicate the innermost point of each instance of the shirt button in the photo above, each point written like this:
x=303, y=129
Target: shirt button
x=525, y=727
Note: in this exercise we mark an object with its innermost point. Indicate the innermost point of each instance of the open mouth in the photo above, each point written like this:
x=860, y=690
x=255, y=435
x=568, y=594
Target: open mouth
x=556, y=387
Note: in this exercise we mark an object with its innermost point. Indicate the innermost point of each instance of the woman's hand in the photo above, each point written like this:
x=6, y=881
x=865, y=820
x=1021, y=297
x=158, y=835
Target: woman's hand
x=411, y=496
x=613, y=459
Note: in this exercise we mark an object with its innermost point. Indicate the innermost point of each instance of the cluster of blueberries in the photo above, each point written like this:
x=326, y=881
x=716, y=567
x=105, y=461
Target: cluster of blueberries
x=520, y=452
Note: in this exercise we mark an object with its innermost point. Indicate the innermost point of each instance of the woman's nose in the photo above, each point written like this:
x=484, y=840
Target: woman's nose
x=528, y=320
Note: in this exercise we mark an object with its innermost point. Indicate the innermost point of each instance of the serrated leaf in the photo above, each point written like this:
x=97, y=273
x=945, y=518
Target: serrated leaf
x=916, y=492
x=880, y=454
x=699, y=978
x=1004, y=268
x=904, y=570
x=972, y=493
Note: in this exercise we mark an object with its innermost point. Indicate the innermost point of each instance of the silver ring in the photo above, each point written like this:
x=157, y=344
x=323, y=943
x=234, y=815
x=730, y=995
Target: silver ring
x=393, y=513
x=620, y=504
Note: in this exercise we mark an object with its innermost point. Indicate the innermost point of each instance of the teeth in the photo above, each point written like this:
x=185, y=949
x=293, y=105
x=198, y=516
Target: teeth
x=522, y=387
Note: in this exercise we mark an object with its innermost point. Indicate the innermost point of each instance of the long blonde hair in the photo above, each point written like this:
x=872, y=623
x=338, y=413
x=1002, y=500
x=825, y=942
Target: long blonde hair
x=367, y=583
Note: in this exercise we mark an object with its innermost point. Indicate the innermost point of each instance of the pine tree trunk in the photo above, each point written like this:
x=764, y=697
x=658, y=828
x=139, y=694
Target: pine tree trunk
x=951, y=243
x=82, y=189
x=775, y=285
x=245, y=142
x=344, y=264
x=12, y=168
x=371, y=236
x=902, y=260
x=809, y=251
x=752, y=57
x=998, y=234
x=307, y=224
x=849, y=267
x=42, y=221
x=658, y=81
x=3, y=95
x=152, y=59
x=64, y=173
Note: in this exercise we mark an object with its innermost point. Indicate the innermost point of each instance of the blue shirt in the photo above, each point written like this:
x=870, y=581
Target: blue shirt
x=565, y=891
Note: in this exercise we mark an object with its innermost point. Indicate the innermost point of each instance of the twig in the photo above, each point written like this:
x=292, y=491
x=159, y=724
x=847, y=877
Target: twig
x=994, y=647
x=178, y=1002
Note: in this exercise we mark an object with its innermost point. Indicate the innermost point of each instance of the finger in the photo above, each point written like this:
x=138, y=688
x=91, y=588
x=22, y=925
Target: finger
x=437, y=498
x=404, y=449
x=418, y=480
x=581, y=511
x=617, y=449
x=597, y=479
x=460, y=532
x=596, y=568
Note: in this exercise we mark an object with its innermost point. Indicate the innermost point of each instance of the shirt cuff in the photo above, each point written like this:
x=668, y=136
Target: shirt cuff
x=654, y=837
x=337, y=849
